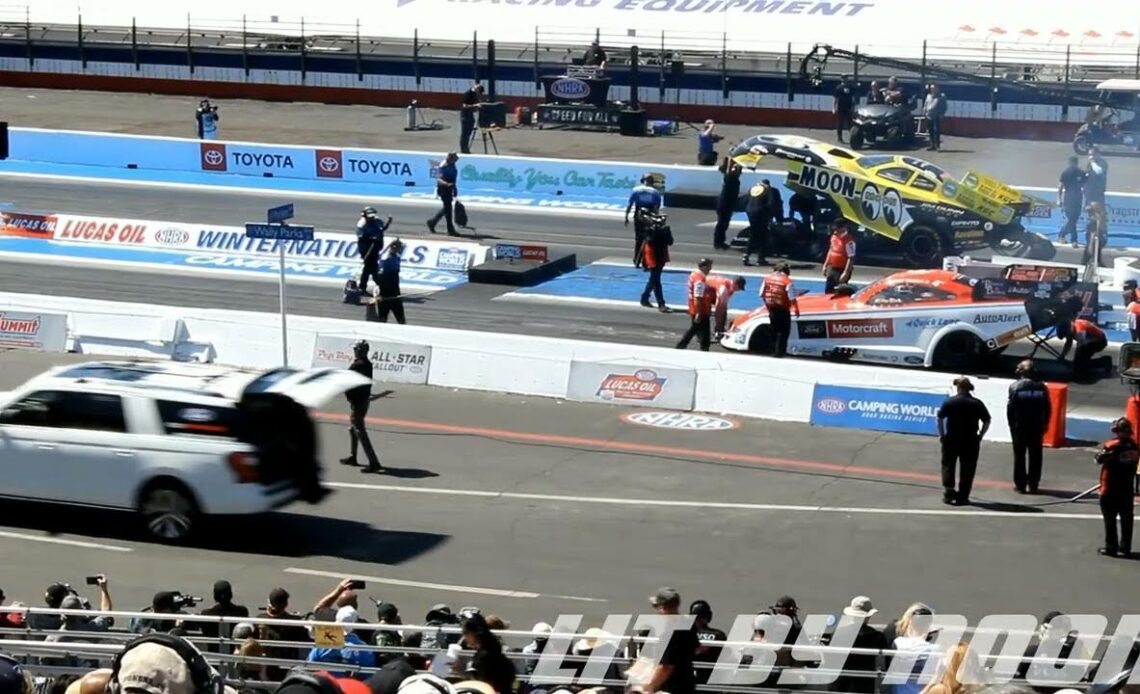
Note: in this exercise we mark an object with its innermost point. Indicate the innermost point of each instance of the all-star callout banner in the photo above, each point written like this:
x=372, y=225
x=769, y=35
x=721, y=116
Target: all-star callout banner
x=873, y=24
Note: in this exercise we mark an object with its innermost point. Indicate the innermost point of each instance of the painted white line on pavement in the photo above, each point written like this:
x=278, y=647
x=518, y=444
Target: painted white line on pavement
x=4, y=534
x=528, y=298
x=439, y=586
x=718, y=505
x=264, y=192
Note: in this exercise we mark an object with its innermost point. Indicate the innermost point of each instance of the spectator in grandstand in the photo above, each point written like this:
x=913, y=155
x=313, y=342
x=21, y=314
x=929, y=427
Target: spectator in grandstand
x=147, y=667
x=497, y=623
x=278, y=608
x=787, y=607
x=706, y=655
x=934, y=108
x=913, y=643
x=766, y=627
x=489, y=664
x=424, y=683
x=960, y=672
x=75, y=624
x=346, y=617
x=390, y=677
x=843, y=106
x=94, y=682
x=248, y=647
x=13, y=620
x=439, y=615
x=534, y=649
x=1054, y=635
x=387, y=614
x=868, y=637
x=14, y=679
x=166, y=602
x=600, y=644
x=53, y=597
x=223, y=607
x=673, y=672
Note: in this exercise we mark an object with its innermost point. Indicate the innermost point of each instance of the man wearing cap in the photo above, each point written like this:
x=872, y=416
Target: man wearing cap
x=843, y=106
x=643, y=197
x=53, y=598
x=223, y=607
x=840, y=260
x=700, y=300
x=1118, y=460
x=438, y=616
x=345, y=654
x=706, y=655
x=959, y=418
x=387, y=614
x=359, y=400
x=758, y=208
x=153, y=668
x=779, y=297
x=533, y=650
x=369, y=243
x=859, y=613
x=673, y=672
x=723, y=288
x=277, y=607
x=1027, y=413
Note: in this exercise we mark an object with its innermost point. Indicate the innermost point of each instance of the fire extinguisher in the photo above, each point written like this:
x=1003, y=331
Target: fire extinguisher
x=410, y=124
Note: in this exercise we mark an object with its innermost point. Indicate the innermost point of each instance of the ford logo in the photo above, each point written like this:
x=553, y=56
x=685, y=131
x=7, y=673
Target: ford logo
x=569, y=88
x=831, y=406
x=172, y=236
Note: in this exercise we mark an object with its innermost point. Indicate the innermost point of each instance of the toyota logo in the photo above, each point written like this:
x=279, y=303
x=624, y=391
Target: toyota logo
x=213, y=157
x=329, y=164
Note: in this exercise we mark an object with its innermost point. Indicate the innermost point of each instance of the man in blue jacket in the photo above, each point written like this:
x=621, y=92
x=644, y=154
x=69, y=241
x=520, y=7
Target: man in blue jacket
x=346, y=655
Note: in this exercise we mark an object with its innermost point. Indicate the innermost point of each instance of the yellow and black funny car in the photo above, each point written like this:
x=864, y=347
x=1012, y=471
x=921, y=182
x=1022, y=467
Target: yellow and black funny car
x=916, y=206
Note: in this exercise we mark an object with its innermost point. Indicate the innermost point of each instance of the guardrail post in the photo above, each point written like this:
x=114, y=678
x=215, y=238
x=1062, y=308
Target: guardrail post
x=538, y=79
x=1065, y=105
x=923, y=71
x=724, y=93
x=634, y=76
x=416, y=56
x=475, y=56
x=661, y=71
x=135, y=44
x=79, y=42
x=855, y=67
x=359, y=57
x=244, y=46
x=491, y=71
x=304, y=53
x=993, y=77
x=788, y=75
x=189, y=44
x=28, y=39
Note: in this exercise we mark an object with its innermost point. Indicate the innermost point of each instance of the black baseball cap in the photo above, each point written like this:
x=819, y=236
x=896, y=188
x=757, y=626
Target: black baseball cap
x=279, y=598
x=786, y=602
x=55, y=594
x=701, y=608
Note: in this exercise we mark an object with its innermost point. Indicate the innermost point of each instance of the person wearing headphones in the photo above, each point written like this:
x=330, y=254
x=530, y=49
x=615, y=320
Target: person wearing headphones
x=359, y=399
x=1027, y=412
x=163, y=664
x=643, y=197
x=959, y=418
x=1118, y=459
x=369, y=242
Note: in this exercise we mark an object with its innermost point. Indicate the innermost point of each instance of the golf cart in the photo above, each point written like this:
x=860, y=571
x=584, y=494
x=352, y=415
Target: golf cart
x=893, y=126
x=1112, y=124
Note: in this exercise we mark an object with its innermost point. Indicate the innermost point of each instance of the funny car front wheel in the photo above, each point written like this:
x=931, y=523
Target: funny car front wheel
x=921, y=247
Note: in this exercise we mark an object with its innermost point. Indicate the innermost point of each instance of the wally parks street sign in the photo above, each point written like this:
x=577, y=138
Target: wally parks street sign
x=281, y=233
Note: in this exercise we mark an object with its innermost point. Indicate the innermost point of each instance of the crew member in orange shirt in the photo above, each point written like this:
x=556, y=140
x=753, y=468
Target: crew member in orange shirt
x=780, y=299
x=701, y=299
x=1118, y=461
x=840, y=259
x=723, y=288
x=1090, y=340
x=1134, y=320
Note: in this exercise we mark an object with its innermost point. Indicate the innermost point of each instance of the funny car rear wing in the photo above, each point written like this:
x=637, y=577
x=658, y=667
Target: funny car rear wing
x=992, y=198
x=1050, y=293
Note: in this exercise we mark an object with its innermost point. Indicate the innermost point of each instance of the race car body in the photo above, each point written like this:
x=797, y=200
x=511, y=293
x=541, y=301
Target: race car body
x=917, y=318
x=909, y=201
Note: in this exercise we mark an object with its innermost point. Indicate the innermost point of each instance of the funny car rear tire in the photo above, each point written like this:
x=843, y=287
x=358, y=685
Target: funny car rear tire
x=958, y=351
x=921, y=247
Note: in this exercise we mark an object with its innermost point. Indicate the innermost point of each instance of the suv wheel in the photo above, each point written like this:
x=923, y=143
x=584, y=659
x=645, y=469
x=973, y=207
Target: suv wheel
x=169, y=511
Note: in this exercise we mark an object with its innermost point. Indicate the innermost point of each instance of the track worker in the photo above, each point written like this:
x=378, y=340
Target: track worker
x=723, y=288
x=840, y=260
x=359, y=399
x=643, y=197
x=726, y=202
x=389, y=298
x=369, y=243
x=446, y=189
x=1133, y=311
x=655, y=255
x=1090, y=340
x=1027, y=412
x=958, y=421
x=1117, y=462
x=701, y=301
x=779, y=298
x=759, y=211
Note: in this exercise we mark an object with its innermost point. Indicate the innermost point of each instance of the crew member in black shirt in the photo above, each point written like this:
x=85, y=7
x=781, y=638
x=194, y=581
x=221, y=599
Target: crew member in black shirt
x=1118, y=461
x=726, y=203
x=759, y=211
x=595, y=56
x=843, y=107
x=1028, y=413
x=223, y=607
x=1070, y=196
x=674, y=671
x=467, y=113
x=958, y=420
x=359, y=399
x=706, y=655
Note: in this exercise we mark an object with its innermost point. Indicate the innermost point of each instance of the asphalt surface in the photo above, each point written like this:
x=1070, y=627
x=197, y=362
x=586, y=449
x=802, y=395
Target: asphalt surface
x=1018, y=162
x=529, y=507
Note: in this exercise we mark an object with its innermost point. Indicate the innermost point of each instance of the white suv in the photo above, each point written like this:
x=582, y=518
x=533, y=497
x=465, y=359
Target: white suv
x=171, y=441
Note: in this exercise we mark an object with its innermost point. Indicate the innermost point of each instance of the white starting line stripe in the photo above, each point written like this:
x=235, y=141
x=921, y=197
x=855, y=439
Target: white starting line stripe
x=4, y=534
x=426, y=585
x=721, y=505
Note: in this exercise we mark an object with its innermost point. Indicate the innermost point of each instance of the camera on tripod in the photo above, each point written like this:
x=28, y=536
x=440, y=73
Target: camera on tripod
x=1129, y=366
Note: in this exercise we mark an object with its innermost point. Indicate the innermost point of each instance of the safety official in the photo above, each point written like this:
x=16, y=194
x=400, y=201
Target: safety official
x=446, y=189
x=655, y=255
x=1133, y=312
x=369, y=242
x=1117, y=462
x=726, y=202
x=723, y=288
x=1027, y=411
x=468, y=110
x=959, y=418
x=359, y=399
x=643, y=197
x=840, y=260
x=779, y=298
x=1090, y=340
x=759, y=211
x=701, y=301
x=389, y=299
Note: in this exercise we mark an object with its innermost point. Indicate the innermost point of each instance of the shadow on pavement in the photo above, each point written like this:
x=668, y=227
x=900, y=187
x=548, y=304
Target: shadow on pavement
x=1005, y=507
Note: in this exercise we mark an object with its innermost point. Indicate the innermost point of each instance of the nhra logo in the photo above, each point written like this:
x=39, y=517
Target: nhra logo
x=861, y=328
x=213, y=156
x=644, y=385
x=831, y=406
x=172, y=236
x=329, y=163
x=454, y=259
x=569, y=88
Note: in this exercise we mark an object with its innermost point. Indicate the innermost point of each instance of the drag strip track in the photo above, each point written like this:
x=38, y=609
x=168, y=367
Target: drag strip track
x=469, y=307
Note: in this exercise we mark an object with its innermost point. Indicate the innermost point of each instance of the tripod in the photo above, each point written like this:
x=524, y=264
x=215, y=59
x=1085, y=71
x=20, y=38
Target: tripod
x=488, y=136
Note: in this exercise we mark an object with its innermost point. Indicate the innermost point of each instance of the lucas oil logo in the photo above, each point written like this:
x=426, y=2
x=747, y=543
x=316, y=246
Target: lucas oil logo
x=644, y=385
x=454, y=259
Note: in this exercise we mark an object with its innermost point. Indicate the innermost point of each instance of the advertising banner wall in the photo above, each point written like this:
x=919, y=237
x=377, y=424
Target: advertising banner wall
x=636, y=385
x=46, y=332
x=392, y=362
x=904, y=412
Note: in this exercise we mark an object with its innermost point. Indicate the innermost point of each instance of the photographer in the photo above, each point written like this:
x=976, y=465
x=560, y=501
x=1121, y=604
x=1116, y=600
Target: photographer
x=166, y=602
x=207, y=118
x=706, y=140
x=655, y=255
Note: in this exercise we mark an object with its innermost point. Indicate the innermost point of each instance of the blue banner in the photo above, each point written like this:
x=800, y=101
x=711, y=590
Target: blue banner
x=897, y=411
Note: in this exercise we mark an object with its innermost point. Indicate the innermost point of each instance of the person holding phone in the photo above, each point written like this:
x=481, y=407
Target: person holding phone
x=77, y=627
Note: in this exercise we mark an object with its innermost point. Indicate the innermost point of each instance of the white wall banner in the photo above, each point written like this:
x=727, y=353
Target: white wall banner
x=392, y=362
x=632, y=384
x=46, y=332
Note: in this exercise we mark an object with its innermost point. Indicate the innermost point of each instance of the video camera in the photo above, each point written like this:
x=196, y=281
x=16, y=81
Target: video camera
x=181, y=601
x=1129, y=366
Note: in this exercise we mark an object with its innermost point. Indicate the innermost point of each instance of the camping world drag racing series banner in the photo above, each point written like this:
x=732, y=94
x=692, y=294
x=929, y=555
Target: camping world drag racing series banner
x=903, y=412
